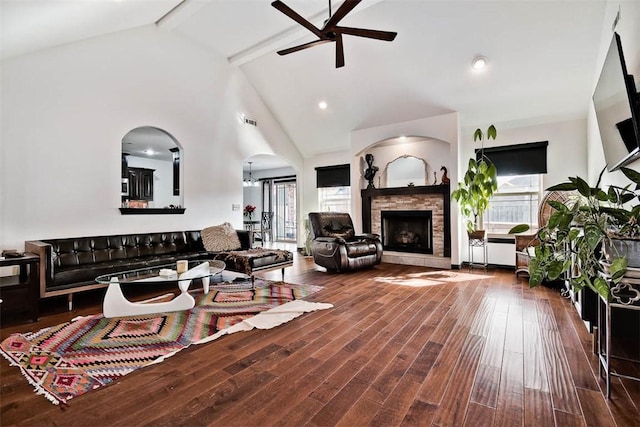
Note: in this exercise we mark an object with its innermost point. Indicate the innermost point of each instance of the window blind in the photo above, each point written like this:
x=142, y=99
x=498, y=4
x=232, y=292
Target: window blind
x=518, y=159
x=333, y=176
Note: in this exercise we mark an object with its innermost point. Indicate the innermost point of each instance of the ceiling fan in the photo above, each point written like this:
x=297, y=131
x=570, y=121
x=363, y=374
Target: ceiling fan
x=331, y=31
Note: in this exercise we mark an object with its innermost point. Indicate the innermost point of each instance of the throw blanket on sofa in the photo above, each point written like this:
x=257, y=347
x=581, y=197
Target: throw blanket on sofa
x=245, y=261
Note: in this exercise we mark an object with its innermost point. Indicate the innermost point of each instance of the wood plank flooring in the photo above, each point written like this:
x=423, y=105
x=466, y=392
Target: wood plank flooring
x=392, y=352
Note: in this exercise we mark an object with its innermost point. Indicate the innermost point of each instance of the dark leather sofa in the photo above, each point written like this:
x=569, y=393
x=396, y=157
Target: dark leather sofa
x=71, y=265
x=335, y=245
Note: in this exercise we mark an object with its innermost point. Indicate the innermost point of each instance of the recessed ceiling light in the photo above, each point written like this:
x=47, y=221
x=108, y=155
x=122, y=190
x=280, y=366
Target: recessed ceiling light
x=402, y=137
x=479, y=63
x=322, y=105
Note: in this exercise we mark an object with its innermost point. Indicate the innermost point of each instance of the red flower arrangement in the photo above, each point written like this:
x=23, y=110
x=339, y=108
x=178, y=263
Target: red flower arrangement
x=248, y=210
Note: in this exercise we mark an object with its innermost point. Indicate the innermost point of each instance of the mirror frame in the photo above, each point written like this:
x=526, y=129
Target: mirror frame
x=425, y=175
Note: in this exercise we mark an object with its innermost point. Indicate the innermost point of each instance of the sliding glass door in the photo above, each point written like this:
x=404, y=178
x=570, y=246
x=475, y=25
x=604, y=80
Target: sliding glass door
x=284, y=207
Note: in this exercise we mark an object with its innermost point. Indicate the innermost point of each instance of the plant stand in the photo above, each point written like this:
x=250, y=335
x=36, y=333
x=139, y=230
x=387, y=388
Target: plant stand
x=625, y=295
x=478, y=241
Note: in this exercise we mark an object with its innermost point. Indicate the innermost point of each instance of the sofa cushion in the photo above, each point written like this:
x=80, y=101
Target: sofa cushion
x=83, y=274
x=219, y=238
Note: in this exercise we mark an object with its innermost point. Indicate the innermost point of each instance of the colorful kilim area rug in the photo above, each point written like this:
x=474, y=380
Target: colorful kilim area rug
x=70, y=359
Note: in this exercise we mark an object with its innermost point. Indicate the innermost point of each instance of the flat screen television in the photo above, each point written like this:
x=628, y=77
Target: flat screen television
x=617, y=109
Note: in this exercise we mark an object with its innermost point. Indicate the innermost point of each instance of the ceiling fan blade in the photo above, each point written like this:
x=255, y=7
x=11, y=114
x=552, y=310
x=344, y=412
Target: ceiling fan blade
x=296, y=17
x=363, y=32
x=339, y=51
x=302, y=46
x=342, y=11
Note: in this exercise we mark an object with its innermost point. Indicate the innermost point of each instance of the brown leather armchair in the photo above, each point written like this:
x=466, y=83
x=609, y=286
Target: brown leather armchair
x=335, y=245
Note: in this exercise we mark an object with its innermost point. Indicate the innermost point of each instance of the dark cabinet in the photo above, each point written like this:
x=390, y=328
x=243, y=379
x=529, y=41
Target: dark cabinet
x=140, y=184
x=21, y=293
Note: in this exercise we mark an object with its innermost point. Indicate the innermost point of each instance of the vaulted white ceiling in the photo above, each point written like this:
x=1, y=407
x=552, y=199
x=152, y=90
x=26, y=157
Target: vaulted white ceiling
x=542, y=56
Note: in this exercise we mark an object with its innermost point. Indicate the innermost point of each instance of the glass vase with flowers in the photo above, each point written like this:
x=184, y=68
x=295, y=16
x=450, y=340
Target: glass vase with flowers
x=248, y=211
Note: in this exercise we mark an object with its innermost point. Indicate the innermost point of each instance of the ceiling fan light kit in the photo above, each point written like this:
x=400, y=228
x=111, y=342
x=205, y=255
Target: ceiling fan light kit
x=331, y=31
x=250, y=182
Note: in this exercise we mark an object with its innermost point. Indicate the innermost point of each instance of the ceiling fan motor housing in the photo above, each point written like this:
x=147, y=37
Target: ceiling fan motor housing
x=330, y=31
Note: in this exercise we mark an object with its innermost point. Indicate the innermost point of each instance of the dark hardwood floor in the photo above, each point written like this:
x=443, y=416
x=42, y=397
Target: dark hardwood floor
x=395, y=350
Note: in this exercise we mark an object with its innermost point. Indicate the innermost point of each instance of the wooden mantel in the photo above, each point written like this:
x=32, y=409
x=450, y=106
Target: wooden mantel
x=368, y=194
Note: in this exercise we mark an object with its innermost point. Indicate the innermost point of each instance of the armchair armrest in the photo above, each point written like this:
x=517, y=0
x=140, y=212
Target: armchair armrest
x=525, y=240
x=43, y=250
x=329, y=239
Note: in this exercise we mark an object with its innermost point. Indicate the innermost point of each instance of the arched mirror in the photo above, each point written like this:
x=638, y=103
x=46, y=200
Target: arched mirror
x=150, y=182
x=406, y=170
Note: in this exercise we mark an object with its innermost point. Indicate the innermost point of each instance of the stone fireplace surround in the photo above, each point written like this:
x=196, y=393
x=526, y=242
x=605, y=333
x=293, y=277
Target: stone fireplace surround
x=435, y=198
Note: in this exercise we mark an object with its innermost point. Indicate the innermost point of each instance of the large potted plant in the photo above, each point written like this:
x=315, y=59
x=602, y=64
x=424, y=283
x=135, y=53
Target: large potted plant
x=599, y=229
x=479, y=184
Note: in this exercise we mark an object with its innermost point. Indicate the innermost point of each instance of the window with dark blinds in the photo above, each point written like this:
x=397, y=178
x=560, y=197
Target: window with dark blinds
x=518, y=159
x=333, y=176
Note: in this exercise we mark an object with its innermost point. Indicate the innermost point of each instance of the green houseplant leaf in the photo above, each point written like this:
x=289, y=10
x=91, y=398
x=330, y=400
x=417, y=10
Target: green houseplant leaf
x=581, y=227
x=478, y=185
x=491, y=132
x=632, y=175
x=520, y=228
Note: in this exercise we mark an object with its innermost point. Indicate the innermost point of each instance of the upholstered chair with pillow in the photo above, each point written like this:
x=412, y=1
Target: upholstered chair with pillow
x=526, y=243
x=337, y=247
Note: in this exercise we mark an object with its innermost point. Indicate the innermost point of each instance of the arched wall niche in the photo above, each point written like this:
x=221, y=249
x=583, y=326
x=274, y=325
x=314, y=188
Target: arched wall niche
x=151, y=179
x=431, y=152
x=443, y=129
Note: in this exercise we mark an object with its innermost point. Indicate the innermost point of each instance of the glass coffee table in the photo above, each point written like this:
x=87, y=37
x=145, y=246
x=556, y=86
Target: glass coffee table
x=116, y=305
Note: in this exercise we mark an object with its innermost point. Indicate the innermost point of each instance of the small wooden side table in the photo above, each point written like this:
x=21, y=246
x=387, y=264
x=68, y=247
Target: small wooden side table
x=21, y=293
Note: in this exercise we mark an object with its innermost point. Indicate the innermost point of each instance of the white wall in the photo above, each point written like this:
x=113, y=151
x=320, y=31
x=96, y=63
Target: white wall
x=566, y=153
x=566, y=156
x=65, y=111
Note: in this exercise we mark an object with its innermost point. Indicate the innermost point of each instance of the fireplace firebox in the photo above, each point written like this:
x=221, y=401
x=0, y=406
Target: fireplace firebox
x=407, y=231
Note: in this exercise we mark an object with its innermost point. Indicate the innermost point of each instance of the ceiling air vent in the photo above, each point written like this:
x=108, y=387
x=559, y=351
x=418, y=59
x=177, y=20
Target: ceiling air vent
x=250, y=121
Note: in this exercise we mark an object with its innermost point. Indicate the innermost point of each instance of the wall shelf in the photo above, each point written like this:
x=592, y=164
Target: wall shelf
x=151, y=211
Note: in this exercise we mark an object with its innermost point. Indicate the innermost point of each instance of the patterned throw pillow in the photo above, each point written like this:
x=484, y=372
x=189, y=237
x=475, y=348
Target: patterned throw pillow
x=219, y=238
